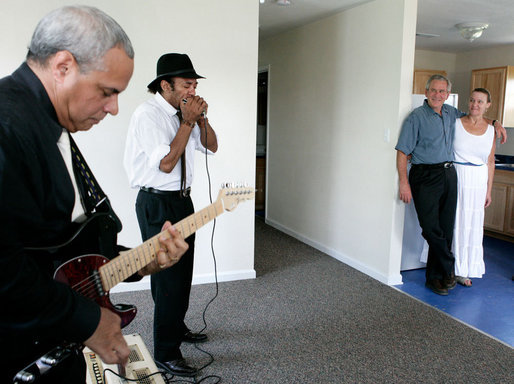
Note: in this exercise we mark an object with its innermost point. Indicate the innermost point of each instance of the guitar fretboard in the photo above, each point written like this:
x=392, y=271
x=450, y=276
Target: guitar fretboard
x=129, y=262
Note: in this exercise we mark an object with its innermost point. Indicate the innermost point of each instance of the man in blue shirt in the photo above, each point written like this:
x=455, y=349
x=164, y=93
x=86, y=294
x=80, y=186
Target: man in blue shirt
x=427, y=136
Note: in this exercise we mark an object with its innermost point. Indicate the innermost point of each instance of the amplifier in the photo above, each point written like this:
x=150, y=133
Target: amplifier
x=140, y=366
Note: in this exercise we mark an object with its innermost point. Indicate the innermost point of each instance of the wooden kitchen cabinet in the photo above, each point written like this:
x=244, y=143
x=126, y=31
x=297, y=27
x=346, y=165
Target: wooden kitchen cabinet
x=500, y=83
x=495, y=214
x=421, y=77
x=499, y=216
x=509, y=214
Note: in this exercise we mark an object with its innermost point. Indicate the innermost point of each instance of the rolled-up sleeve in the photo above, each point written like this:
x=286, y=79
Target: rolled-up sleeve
x=408, y=135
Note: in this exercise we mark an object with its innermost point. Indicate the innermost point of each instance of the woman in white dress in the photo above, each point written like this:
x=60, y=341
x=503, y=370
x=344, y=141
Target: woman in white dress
x=474, y=146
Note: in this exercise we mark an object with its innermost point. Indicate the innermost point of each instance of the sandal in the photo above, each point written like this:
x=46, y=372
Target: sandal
x=465, y=281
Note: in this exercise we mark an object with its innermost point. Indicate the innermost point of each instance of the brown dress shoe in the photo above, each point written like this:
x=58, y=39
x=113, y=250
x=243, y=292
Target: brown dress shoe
x=437, y=287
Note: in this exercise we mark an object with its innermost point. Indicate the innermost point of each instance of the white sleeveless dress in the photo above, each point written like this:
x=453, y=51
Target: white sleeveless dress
x=472, y=189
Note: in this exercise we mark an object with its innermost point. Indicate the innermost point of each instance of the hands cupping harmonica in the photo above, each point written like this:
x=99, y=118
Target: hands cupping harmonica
x=196, y=103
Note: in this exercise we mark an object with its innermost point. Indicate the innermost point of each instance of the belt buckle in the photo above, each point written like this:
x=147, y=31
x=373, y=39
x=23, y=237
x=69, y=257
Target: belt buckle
x=186, y=192
x=448, y=164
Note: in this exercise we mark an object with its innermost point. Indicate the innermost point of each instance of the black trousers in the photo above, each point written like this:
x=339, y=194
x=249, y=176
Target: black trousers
x=434, y=191
x=171, y=287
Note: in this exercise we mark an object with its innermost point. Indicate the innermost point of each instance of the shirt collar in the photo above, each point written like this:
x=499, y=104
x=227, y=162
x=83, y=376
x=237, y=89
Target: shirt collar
x=28, y=79
x=444, y=108
x=165, y=105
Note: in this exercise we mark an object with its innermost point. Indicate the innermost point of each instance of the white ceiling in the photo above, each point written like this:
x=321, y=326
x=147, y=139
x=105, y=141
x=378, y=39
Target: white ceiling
x=434, y=17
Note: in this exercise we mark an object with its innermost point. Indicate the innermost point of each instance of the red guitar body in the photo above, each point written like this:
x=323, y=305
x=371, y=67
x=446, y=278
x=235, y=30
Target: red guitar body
x=81, y=274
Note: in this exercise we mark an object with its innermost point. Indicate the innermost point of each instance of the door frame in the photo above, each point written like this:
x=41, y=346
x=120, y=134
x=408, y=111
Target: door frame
x=261, y=69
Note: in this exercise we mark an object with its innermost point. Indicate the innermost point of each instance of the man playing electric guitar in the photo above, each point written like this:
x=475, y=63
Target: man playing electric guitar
x=79, y=60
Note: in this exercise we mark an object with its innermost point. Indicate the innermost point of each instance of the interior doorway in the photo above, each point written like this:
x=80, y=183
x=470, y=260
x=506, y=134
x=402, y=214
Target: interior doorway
x=261, y=149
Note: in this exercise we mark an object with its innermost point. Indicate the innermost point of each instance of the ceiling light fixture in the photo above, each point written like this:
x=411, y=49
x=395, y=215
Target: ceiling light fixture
x=283, y=2
x=471, y=31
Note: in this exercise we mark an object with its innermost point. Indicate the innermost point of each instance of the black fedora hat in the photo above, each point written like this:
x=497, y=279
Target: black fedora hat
x=174, y=65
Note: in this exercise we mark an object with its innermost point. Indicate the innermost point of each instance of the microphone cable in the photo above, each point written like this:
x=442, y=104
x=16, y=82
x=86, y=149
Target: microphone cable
x=213, y=228
x=211, y=360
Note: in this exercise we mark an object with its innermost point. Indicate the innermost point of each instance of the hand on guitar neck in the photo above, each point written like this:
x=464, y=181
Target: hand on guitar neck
x=173, y=247
x=107, y=340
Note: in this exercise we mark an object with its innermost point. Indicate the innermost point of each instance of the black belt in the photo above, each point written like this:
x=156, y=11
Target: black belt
x=184, y=193
x=447, y=164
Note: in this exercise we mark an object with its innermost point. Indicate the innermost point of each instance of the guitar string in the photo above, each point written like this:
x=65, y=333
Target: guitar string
x=85, y=286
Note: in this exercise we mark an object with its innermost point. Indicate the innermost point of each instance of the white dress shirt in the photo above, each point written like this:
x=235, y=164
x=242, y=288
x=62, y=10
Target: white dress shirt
x=153, y=127
x=79, y=214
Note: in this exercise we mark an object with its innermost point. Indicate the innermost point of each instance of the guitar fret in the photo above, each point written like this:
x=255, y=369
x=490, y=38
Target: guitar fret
x=126, y=267
x=137, y=260
x=153, y=248
x=142, y=254
x=192, y=224
x=213, y=208
x=181, y=229
x=118, y=271
x=196, y=222
x=129, y=265
x=114, y=281
x=110, y=276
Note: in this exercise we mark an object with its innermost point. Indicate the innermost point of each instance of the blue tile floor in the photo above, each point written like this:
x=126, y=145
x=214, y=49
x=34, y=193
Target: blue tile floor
x=488, y=305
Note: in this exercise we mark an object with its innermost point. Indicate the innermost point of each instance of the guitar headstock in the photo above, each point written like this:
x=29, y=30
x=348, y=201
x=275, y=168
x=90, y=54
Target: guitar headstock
x=231, y=195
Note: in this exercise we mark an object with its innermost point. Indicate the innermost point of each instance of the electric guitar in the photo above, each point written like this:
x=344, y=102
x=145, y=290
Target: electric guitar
x=94, y=275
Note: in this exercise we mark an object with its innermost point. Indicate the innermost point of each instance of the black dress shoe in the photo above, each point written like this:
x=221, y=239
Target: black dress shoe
x=179, y=367
x=450, y=282
x=437, y=287
x=191, y=337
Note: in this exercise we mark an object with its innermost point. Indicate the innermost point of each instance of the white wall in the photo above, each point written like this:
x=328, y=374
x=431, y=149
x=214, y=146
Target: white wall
x=339, y=89
x=205, y=30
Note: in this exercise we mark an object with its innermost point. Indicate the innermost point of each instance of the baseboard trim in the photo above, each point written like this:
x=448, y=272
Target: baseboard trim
x=207, y=278
x=395, y=279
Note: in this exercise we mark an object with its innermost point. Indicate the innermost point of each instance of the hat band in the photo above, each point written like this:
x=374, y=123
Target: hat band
x=179, y=72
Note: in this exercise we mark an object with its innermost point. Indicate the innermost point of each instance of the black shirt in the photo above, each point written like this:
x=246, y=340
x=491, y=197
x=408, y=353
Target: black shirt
x=36, y=202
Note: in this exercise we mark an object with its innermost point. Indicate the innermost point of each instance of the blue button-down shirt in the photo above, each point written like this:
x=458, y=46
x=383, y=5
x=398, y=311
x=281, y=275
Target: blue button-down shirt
x=428, y=136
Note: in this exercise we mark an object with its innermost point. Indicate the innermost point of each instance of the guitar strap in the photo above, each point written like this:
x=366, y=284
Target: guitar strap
x=93, y=197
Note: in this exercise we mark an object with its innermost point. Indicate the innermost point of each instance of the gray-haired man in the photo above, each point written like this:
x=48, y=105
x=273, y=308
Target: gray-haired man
x=79, y=60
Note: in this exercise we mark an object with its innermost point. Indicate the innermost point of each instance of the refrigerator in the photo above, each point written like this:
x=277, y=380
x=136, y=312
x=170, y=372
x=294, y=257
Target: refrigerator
x=414, y=246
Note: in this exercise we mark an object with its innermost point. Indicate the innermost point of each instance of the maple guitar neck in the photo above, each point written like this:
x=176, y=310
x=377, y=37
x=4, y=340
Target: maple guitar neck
x=135, y=259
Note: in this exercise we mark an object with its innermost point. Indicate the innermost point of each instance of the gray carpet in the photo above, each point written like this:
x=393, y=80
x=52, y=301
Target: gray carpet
x=309, y=318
